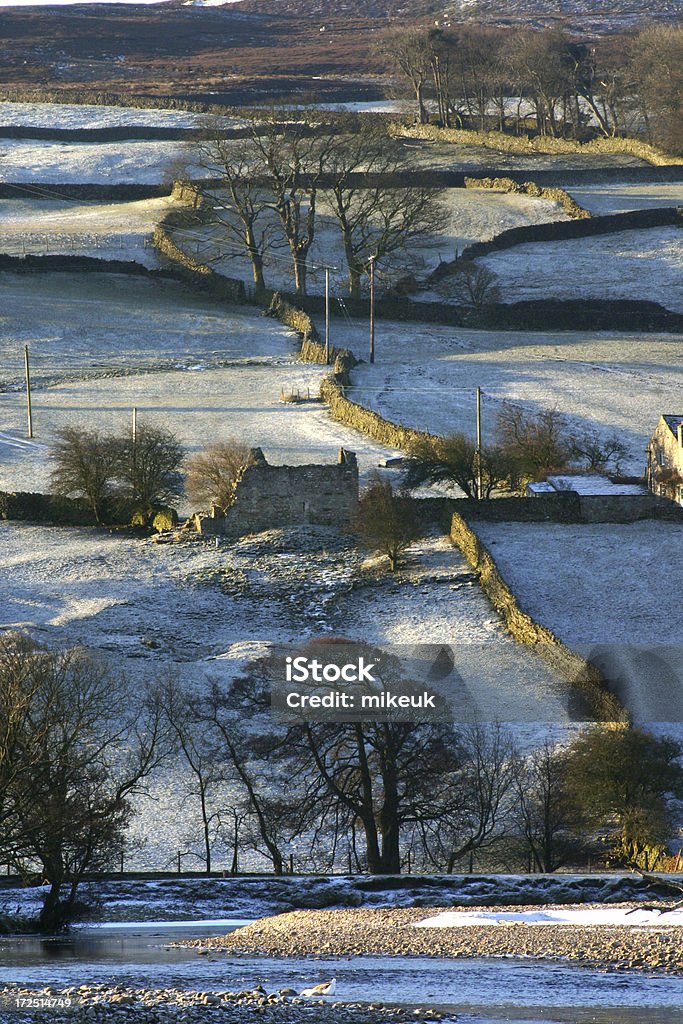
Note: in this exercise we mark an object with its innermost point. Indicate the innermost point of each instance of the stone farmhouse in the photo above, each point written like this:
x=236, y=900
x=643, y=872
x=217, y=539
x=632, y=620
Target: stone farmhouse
x=268, y=497
x=665, y=459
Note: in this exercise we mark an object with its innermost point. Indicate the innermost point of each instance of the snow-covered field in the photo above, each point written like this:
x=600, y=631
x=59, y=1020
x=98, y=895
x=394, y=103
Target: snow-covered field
x=426, y=376
x=195, y=612
x=466, y=216
x=104, y=230
x=644, y=264
x=65, y=115
x=104, y=163
x=609, y=590
x=615, y=198
x=100, y=345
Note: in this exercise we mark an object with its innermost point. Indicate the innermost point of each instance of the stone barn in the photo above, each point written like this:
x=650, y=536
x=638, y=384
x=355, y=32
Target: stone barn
x=268, y=497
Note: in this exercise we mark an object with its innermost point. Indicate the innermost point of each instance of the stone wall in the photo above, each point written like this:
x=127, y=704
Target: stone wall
x=268, y=497
x=583, y=677
x=533, y=189
x=562, y=230
x=54, y=509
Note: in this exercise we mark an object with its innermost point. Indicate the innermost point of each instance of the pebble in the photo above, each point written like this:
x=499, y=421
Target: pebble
x=390, y=932
x=115, y=1004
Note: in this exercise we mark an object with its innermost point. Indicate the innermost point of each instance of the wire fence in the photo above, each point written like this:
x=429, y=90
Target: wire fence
x=42, y=243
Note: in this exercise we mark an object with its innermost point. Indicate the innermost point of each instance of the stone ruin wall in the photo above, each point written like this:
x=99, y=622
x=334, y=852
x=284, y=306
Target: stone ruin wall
x=268, y=497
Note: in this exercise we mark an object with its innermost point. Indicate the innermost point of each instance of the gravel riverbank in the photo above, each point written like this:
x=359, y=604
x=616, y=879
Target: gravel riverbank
x=92, y=1004
x=365, y=931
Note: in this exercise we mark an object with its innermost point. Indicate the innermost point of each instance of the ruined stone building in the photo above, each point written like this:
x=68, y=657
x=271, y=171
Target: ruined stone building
x=268, y=497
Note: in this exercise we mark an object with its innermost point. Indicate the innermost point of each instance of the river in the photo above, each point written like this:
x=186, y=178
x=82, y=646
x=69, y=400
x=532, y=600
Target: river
x=478, y=990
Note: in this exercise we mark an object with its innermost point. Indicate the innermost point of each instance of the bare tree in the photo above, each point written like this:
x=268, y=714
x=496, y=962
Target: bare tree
x=294, y=159
x=410, y=51
x=386, y=521
x=239, y=208
x=85, y=463
x=149, y=466
x=597, y=453
x=532, y=444
x=475, y=798
x=89, y=750
x=544, y=66
x=189, y=732
x=118, y=471
x=470, y=284
x=212, y=473
x=542, y=811
x=384, y=775
x=377, y=217
x=455, y=459
x=657, y=62
x=246, y=756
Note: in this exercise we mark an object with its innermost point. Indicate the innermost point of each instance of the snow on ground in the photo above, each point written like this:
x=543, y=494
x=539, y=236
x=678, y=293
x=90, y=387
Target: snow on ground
x=610, y=590
x=211, y=371
x=582, y=916
x=106, y=163
x=195, y=612
x=628, y=265
x=426, y=376
x=595, y=582
x=100, y=345
x=104, y=230
x=251, y=897
x=436, y=600
x=466, y=216
x=66, y=115
x=620, y=198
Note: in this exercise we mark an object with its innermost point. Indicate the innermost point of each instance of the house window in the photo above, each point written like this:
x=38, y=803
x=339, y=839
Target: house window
x=660, y=456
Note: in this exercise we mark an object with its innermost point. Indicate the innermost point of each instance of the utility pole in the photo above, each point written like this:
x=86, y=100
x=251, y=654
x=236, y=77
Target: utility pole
x=371, y=271
x=29, y=410
x=327, y=314
x=479, y=479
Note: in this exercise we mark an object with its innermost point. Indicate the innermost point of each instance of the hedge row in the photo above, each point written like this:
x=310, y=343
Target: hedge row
x=530, y=188
x=539, y=144
x=589, y=682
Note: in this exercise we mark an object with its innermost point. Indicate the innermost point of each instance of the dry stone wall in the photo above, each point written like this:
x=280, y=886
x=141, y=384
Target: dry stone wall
x=587, y=680
x=269, y=497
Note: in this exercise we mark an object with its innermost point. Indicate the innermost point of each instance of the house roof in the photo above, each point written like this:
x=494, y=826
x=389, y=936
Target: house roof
x=672, y=422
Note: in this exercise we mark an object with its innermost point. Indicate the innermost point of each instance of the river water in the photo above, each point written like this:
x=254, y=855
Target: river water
x=481, y=990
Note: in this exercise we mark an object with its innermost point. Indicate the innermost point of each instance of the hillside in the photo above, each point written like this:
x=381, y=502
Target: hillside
x=255, y=48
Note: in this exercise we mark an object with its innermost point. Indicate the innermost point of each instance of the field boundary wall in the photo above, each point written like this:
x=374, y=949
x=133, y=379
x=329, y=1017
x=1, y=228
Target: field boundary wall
x=584, y=677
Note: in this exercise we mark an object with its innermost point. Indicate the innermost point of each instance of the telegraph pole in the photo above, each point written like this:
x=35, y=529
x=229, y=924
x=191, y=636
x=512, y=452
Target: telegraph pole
x=327, y=314
x=29, y=411
x=135, y=424
x=479, y=477
x=371, y=271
